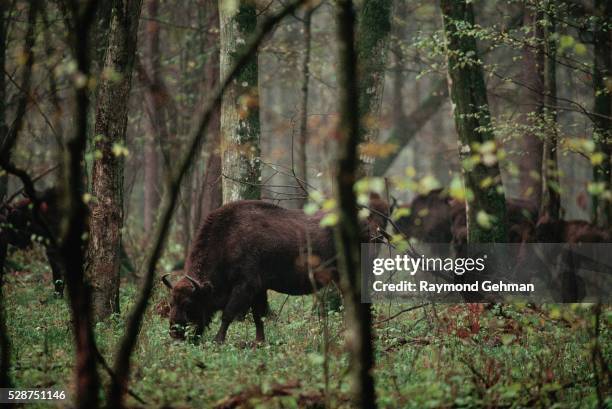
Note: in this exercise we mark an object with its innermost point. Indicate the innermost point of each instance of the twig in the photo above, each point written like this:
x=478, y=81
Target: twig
x=9, y=140
x=110, y=372
x=414, y=307
x=34, y=180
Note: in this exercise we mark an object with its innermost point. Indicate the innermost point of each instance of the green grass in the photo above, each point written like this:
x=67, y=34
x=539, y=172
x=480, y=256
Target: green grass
x=442, y=356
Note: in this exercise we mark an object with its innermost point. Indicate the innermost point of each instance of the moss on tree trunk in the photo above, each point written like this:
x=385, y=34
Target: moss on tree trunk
x=551, y=196
x=486, y=207
x=240, y=127
x=372, y=44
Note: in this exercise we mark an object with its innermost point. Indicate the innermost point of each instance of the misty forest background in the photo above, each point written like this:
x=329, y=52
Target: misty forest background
x=146, y=115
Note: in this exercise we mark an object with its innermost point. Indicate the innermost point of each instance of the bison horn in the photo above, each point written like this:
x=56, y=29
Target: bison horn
x=166, y=281
x=195, y=282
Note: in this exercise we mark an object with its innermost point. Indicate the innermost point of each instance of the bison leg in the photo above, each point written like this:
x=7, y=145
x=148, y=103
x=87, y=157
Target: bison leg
x=260, y=309
x=220, y=337
x=56, y=269
x=239, y=302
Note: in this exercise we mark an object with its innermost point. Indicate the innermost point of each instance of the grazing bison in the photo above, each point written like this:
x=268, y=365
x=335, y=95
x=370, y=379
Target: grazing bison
x=436, y=218
x=248, y=247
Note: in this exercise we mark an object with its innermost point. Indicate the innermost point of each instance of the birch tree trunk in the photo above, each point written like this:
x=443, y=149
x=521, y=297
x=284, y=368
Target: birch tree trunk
x=473, y=122
x=358, y=315
x=602, y=87
x=106, y=219
x=240, y=127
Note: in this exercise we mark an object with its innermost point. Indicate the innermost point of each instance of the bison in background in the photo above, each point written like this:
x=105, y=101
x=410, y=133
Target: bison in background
x=248, y=247
x=19, y=228
x=521, y=223
x=430, y=218
x=436, y=218
x=549, y=230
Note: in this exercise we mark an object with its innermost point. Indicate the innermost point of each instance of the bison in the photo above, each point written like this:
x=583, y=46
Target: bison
x=436, y=218
x=549, y=230
x=430, y=218
x=19, y=227
x=521, y=223
x=248, y=247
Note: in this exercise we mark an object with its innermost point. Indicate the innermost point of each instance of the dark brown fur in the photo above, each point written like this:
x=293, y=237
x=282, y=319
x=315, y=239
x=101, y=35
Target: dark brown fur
x=435, y=218
x=521, y=219
x=430, y=218
x=569, y=231
x=18, y=227
x=244, y=249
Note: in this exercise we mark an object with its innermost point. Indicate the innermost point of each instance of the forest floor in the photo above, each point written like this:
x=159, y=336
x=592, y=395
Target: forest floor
x=442, y=356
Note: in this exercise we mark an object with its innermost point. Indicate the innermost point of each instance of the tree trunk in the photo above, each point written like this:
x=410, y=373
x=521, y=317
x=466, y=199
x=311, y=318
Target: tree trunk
x=154, y=99
x=5, y=343
x=551, y=199
x=358, y=314
x=240, y=127
x=211, y=185
x=106, y=219
x=5, y=354
x=531, y=106
x=372, y=43
x=301, y=162
x=473, y=122
x=602, y=79
x=151, y=179
x=75, y=216
x=4, y=22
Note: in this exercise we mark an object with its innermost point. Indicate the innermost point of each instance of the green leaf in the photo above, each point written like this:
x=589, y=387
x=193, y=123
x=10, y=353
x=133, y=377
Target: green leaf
x=311, y=208
x=400, y=212
x=328, y=220
x=484, y=220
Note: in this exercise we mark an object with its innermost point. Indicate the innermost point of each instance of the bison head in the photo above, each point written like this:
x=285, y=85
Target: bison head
x=187, y=305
